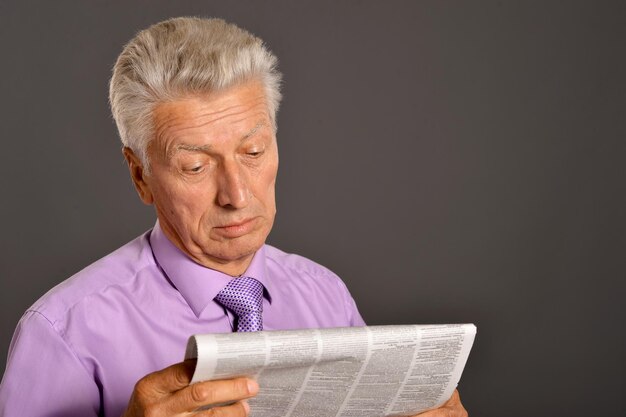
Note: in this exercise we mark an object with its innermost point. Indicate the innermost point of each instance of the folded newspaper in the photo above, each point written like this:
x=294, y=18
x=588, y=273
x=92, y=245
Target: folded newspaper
x=373, y=371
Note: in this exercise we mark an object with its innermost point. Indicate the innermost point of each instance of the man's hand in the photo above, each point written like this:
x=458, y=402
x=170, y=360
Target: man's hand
x=167, y=393
x=452, y=408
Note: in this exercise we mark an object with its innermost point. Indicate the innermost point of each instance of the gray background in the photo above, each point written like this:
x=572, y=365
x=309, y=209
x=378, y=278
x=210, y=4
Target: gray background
x=452, y=161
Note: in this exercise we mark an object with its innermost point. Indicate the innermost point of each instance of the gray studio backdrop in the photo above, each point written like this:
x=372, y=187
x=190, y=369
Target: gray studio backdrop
x=451, y=161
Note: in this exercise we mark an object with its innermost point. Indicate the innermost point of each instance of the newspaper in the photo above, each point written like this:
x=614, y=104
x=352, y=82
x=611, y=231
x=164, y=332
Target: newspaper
x=398, y=370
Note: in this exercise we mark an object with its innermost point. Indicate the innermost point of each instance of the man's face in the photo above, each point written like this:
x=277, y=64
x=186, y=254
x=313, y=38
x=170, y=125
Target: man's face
x=213, y=164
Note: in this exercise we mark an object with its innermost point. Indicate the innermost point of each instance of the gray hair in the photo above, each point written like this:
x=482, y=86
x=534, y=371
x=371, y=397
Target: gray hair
x=180, y=57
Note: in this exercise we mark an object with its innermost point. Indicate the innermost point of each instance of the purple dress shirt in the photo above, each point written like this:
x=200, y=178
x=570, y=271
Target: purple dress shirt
x=80, y=349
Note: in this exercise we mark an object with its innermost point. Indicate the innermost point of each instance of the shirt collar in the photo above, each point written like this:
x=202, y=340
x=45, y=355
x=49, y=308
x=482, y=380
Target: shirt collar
x=196, y=283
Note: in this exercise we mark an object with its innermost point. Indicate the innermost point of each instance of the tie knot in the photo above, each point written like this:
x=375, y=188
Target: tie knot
x=244, y=297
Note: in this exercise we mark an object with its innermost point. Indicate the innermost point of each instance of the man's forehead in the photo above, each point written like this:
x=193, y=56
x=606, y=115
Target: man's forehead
x=190, y=113
x=237, y=113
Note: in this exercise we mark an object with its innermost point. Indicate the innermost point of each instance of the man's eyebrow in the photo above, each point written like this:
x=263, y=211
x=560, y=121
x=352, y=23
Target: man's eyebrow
x=253, y=131
x=187, y=147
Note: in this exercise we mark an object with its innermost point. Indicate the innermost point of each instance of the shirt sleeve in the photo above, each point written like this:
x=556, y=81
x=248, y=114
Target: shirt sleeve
x=43, y=376
x=352, y=312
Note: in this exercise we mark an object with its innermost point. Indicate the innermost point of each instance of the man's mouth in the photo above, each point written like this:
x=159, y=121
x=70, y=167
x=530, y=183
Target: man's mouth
x=236, y=228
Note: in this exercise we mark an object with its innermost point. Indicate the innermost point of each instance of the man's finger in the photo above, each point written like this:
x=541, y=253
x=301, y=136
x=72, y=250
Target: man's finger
x=170, y=379
x=239, y=409
x=451, y=408
x=206, y=393
x=454, y=399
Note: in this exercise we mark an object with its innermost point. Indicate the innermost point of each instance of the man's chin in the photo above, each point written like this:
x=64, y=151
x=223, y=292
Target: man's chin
x=231, y=251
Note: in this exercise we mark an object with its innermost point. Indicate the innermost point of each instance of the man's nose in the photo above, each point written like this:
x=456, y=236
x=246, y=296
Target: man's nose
x=232, y=185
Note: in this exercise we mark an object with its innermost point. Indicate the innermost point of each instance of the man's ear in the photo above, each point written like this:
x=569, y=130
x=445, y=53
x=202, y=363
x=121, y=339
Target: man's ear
x=138, y=175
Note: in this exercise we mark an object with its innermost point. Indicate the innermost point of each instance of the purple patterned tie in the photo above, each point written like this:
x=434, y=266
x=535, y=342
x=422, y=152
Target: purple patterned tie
x=244, y=297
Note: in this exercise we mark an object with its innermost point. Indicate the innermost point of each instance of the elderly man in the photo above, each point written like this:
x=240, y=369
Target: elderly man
x=195, y=103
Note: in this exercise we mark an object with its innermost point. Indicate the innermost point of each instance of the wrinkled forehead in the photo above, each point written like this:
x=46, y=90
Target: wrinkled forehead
x=233, y=113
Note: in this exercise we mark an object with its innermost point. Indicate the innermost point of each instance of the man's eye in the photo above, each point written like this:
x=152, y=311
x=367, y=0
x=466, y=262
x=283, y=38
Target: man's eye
x=254, y=154
x=194, y=169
